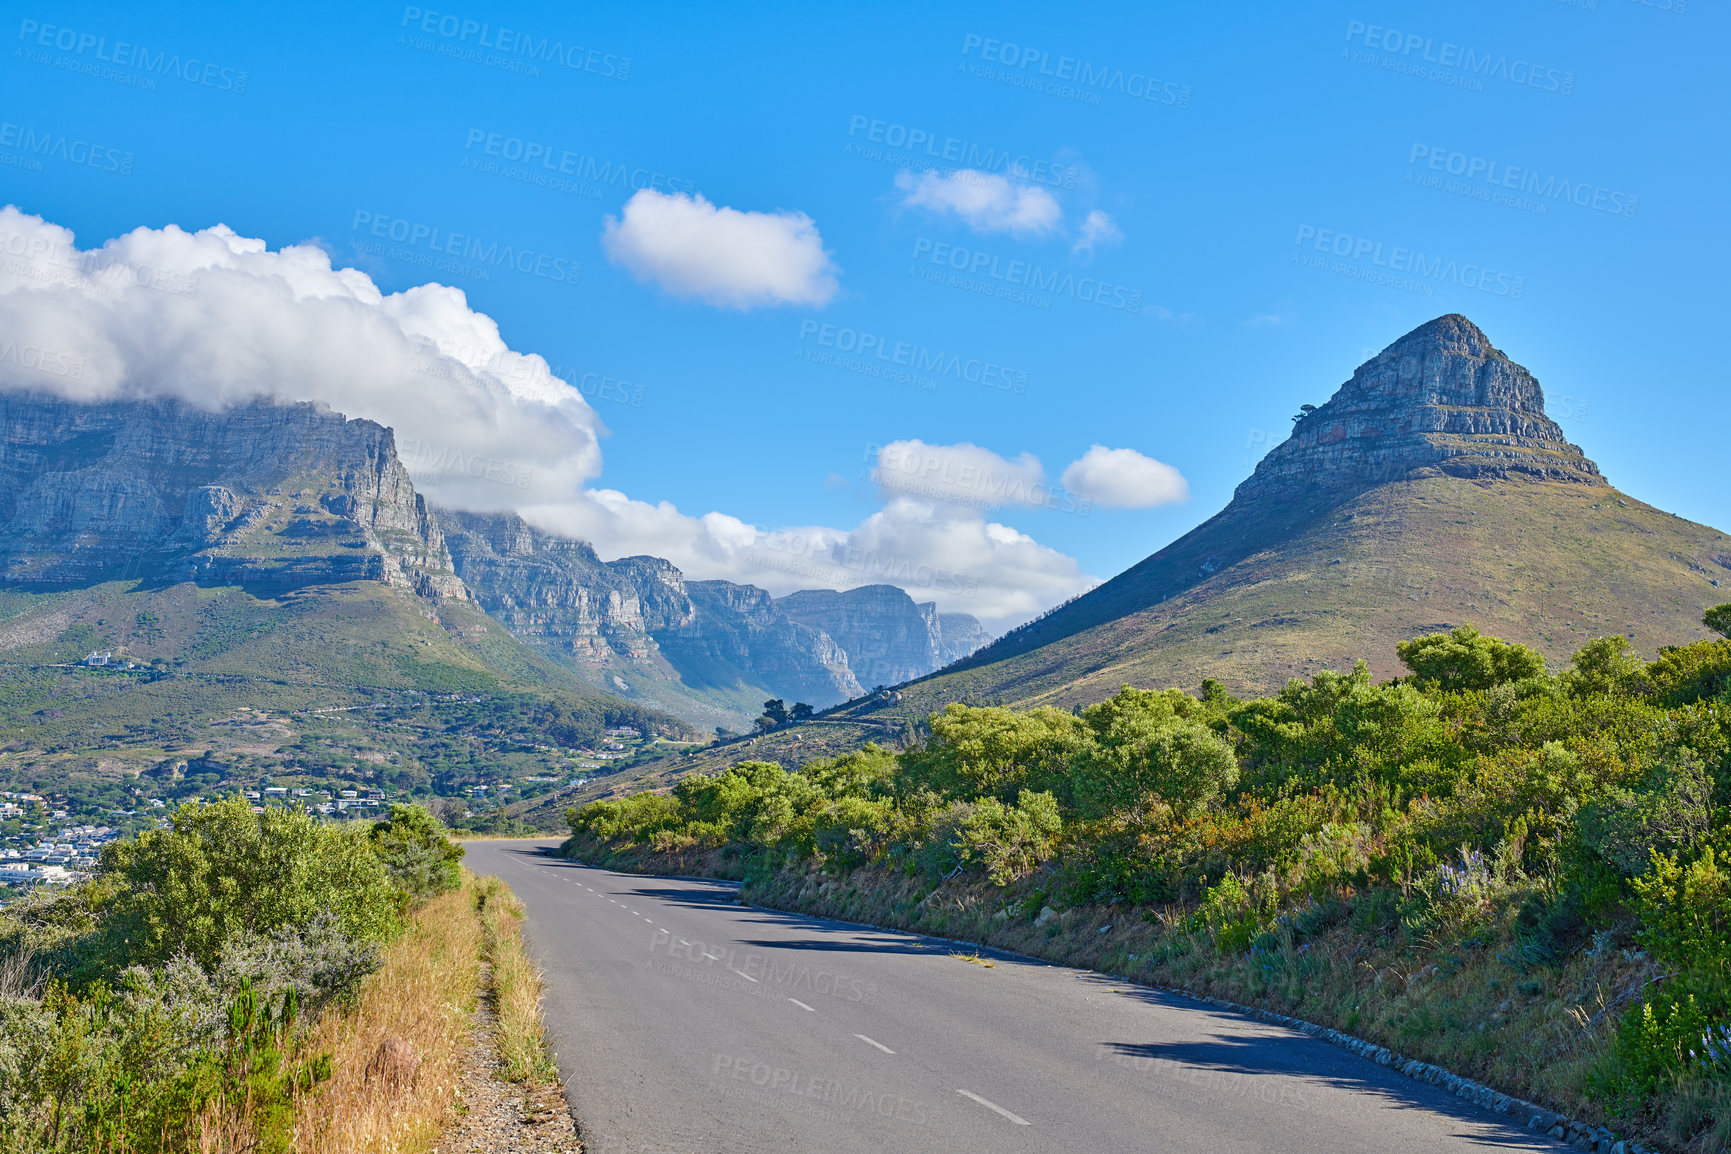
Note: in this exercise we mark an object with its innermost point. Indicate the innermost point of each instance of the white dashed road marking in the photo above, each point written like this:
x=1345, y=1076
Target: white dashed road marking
x=993, y=1107
x=882, y=1047
x=802, y=1005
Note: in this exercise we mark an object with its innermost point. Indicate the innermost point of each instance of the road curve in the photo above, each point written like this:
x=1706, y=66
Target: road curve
x=687, y=1024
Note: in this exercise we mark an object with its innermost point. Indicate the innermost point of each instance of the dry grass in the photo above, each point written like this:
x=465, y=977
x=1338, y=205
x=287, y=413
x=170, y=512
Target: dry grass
x=515, y=985
x=425, y=995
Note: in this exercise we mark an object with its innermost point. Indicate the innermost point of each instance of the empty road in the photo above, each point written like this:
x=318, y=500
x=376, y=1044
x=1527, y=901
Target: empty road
x=687, y=1024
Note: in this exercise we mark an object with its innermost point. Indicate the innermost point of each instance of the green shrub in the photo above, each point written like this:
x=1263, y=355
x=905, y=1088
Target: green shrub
x=1604, y=665
x=417, y=852
x=1009, y=841
x=1686, y=912
x=1232, y=914
x=1143, y=754
x=221, y=869
x=148, y=1068
x=1464, y=658
x=1665, y=813
x=626, y=820
x=1684, y=674
x=1655, y=1044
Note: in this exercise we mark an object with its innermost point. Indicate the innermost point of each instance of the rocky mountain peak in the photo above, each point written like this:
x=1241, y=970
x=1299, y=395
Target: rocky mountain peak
x=1440, y=398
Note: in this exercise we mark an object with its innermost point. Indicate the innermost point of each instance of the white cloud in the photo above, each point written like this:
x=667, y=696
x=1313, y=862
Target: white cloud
x=1280, y=314
x=957, y=558
x=963, y=474
x=985, y=201
x=1125, y=479
x=215, y=319
x=719, y=255
x=1098, y=228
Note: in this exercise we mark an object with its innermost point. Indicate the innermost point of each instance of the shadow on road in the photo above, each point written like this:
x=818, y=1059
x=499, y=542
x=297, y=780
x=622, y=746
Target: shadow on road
x=1319, y=1065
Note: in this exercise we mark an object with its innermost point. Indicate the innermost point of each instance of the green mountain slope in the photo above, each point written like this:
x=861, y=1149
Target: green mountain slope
x=270, y=590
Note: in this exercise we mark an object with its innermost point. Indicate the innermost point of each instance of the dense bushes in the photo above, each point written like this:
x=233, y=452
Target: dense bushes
x=158, y=1006
x=221, y=869
x=1482, y=802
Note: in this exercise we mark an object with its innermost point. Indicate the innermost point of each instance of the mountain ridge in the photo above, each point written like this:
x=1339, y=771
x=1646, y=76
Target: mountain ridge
x=1431, y=489
x=707, y=649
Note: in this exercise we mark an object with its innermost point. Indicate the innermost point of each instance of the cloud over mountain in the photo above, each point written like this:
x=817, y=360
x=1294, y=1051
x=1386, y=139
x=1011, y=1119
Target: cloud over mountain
x=215, y=318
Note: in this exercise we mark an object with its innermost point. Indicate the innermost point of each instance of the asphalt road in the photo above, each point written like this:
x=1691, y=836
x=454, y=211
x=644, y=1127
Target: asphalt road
x=687, y=1024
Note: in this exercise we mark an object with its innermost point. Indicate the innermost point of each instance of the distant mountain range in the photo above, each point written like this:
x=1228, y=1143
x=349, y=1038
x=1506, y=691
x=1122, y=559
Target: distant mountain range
x=707, y=650
x=279, y=503
x=1430, y=490
x=286, y=547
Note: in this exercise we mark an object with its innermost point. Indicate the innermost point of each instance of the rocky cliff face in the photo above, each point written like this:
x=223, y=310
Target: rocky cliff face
x=887, y=637
x=1438, y=398
x=738, y=627
x=281, y=497
x=641, y=617
x=959, y=635
x=557, y=591
x=270, y=496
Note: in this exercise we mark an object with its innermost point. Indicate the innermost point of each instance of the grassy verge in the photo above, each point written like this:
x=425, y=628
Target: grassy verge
x=514, y=984
x=397, y=1059
x=424, y=997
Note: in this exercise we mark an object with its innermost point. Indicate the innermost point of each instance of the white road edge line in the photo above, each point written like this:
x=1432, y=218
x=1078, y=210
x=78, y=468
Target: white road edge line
x=744, y=975
x=882, y=1047
x=802, y=1005
x=993, y=1107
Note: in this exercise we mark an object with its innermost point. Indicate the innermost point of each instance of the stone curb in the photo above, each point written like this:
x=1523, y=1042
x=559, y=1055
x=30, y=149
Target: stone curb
x=1548, y=1122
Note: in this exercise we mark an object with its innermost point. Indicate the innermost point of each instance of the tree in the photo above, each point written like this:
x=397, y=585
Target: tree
x=776, y=711
x=1718, y=619
x=1603, y=665
x=417, y=852
x=800, y=711
x=1464, y=658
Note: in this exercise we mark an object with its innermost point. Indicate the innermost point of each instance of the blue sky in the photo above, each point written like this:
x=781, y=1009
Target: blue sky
x=1224, y=145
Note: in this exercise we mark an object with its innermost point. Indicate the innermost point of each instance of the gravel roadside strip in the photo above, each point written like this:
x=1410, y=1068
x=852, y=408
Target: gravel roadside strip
x=495, y=1116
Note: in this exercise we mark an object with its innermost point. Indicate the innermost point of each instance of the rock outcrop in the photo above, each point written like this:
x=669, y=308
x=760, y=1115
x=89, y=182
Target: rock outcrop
x=738, y=628
x=556, y=590
x=1440, y=401
x=278, y=498
x=959, y=635
x=888, y=638
x=1441, y=398
x=270, y=496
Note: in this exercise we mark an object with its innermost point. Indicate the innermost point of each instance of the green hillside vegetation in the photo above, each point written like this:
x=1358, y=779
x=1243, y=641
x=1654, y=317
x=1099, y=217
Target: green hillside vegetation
x=1264, y=595
x=1516, y=873
x=359, y=684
